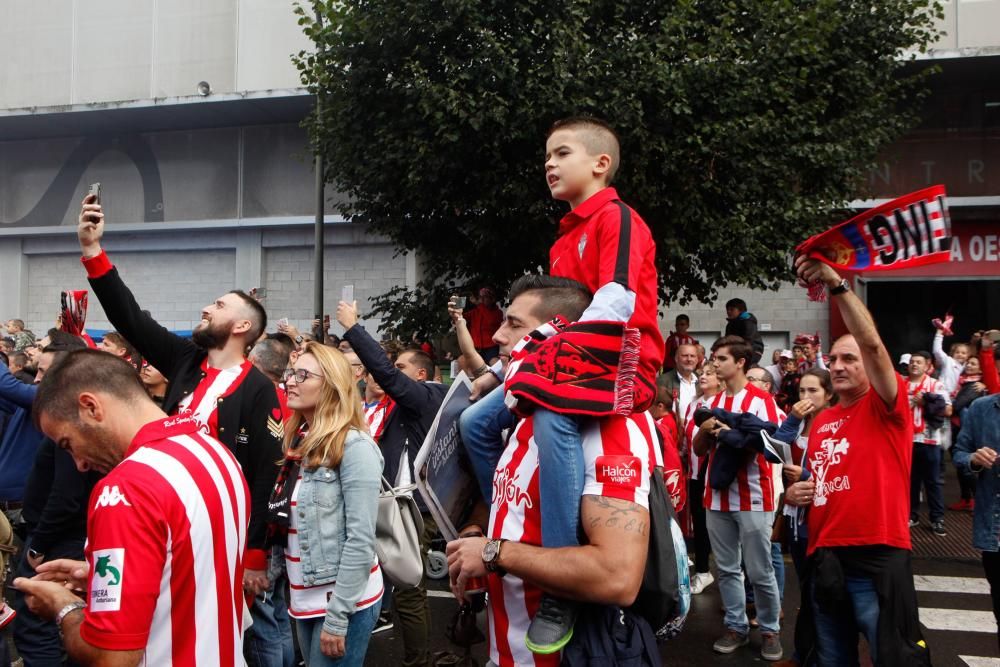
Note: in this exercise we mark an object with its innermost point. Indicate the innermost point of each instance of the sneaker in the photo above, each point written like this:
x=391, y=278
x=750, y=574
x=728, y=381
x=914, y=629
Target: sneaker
x=770, y=646
x=959, y=506
x=938, y=528
x=383, y=623
x=552, y=627
x=700, y=581
x=7, y=614
x=914, y=523
x=730, y=641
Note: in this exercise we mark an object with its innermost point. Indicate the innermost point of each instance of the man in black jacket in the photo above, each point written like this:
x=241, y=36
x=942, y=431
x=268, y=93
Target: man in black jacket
x=55, y=521
x=407, y=382
x=211, y=380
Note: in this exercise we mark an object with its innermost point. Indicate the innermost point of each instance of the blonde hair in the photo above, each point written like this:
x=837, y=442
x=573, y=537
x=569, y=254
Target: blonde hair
x=338, y=410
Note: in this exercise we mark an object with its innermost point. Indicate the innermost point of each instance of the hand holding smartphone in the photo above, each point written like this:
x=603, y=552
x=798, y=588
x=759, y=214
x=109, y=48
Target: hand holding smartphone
x=347, y=294
x=95, y=190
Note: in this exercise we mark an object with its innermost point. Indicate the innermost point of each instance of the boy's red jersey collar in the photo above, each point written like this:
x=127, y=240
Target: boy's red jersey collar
x=588, y=208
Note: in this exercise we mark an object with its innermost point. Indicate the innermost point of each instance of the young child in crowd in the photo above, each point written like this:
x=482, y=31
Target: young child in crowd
x=604, y=245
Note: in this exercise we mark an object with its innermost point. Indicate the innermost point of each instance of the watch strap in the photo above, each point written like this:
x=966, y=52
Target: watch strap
x=69, y=609
x=841, y=288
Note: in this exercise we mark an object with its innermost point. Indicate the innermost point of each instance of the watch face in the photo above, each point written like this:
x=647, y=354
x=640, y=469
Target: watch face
x=490, y=551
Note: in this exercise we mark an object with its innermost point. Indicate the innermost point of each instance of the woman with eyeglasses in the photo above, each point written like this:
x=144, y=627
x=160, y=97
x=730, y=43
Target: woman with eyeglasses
x=324, y=507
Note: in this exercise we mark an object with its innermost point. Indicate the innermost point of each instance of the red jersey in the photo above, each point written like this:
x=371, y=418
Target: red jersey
x=166, y=531
x=673, y=469
x=600, y=243
x=482, y=323
x=860, y=458
x=753, y=488
x=202, y=404
x=618, y=453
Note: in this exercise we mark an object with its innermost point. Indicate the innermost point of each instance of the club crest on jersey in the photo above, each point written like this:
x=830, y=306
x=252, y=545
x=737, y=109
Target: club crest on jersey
x=618, y=470
x=111, y=497
x=581, y=245
x=107, y=579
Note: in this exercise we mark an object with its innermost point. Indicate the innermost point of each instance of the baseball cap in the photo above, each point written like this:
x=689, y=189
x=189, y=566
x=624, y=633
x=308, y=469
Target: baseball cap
x=786, y=354
x=904, y=359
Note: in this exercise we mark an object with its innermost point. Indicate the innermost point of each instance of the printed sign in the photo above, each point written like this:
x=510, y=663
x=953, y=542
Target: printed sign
x=108, y=573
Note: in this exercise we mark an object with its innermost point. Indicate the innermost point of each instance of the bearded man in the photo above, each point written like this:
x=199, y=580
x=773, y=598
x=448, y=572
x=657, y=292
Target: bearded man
x=211, y=381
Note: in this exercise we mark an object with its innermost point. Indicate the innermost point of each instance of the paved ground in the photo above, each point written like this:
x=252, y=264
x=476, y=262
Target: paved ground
x=955, y=609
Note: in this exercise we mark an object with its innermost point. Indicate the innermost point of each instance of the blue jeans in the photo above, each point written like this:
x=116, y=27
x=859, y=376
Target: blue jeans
x=482, y=425
x=560, y=458
x=926, y=471
x=778, y=563
x=746, y=536
x=268, y=642
x=359, y=631
x=837, y=635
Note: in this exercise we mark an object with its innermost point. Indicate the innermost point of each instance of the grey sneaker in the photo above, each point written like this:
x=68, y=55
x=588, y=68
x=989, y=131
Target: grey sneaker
x=770, y=646
x=730, y=641
x=914, y=523
x=552, y=627
x=938, y=528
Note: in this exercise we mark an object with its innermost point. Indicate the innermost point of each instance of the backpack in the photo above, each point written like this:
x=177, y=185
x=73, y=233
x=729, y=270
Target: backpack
x=665, y=594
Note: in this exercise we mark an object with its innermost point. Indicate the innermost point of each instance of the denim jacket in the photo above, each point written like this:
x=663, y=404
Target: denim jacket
x=981, y=428
x=337, y=508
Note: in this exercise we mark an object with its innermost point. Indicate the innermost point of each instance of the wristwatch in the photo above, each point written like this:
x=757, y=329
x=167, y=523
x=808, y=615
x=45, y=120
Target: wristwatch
x=299, y=339
x=491, y=556
x=67, y=610
x=842, y=287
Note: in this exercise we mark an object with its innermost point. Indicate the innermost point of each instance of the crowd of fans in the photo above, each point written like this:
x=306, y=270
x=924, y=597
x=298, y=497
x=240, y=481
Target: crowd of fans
x=214, y=499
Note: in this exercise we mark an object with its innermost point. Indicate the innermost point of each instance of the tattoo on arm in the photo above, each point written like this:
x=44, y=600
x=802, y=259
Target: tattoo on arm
x=615, y=513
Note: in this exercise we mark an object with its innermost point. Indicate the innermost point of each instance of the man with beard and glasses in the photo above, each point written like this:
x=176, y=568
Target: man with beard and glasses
x=211, y=380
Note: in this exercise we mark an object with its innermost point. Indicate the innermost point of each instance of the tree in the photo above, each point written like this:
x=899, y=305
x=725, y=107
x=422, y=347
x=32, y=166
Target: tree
x=745, y=126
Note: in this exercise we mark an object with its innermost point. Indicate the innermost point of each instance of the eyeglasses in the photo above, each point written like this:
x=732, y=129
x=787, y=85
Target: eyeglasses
x=300, y=375
x=754, y=379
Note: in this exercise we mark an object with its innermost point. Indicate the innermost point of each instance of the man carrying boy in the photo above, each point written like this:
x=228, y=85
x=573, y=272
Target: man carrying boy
x=676, y=339
x=604, y=245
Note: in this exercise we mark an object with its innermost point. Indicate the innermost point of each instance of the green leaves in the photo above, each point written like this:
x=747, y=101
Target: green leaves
x=744, y=125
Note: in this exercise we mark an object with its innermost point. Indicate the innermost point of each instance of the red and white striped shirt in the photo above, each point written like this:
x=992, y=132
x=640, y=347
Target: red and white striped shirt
x=921, y=432
x=166, y=531
x=753, y=488
x=377, y=415
x=618, y=453
x=691, y=430
x=202, y=404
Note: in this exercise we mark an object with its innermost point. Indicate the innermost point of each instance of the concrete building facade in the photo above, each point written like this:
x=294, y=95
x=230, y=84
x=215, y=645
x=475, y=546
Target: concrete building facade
x=188, y=111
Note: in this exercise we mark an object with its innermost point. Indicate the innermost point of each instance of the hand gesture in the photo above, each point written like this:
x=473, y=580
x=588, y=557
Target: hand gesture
x=455, y=313
x=984, y=456
x=332, y=646
x=812, y=270
x=347, y=314
x=483, y=385
x=44, y=598
x=803, y=408
x=90, y=227
x=70, y=573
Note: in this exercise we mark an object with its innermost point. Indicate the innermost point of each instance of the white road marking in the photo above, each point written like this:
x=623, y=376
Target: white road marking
x=930, y=584
x=958, y=620
x=973, y=661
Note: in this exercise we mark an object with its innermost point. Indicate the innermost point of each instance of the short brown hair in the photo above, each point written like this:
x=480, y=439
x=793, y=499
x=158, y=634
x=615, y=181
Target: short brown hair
x=737, y=347
x=421, y=359
x=81, y=371
x=597, y=136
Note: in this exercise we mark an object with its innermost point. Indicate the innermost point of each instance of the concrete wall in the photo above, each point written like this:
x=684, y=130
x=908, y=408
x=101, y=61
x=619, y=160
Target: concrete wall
x=780, y=315
x=970, y=24
x=82, y=51
x=174, y=274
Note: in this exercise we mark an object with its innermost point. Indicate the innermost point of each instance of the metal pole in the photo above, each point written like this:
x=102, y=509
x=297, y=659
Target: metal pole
x=318, y=244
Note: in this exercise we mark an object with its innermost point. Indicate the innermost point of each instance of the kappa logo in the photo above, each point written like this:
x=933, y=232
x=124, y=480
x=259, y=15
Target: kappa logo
x=107, y=580
x=111, y=497
x=618, y=470
x=582, y=245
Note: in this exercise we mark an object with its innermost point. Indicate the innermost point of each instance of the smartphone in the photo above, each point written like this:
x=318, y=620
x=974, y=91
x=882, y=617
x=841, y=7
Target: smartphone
x=459, y=302
x=347, y=294
x=95, y=189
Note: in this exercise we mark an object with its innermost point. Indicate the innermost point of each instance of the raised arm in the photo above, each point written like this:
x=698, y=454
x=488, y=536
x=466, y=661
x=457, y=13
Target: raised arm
x=163, y=349
x=465, y=342
x=15, y=391
x=877, y=362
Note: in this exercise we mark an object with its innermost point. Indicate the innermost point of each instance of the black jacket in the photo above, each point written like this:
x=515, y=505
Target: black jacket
x=746, y=328
x=249, y=419
x=55, y=498
x=417, y=403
